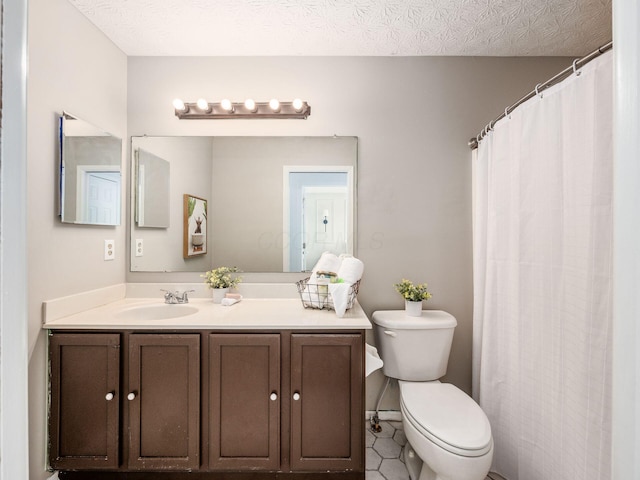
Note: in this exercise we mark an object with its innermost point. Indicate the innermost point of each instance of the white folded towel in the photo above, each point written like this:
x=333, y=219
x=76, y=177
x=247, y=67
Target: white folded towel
x=340, y=295
x=351, y=270
x=226, y=302
x=328, y=262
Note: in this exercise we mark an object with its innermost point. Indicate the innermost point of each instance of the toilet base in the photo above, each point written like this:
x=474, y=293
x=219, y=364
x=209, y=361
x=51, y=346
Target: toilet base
x=417, y=469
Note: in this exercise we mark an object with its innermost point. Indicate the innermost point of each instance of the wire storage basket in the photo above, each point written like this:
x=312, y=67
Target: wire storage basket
x=317, y=295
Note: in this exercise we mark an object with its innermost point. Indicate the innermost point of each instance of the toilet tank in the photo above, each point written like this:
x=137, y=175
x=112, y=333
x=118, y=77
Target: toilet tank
x=415, y=349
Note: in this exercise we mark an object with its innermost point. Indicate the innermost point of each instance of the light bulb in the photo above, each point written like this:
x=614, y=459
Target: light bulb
x=226, y=105
x=297, y=105
x=250, y=105
x=274, y=104
x=179, y=105
x=203, y=104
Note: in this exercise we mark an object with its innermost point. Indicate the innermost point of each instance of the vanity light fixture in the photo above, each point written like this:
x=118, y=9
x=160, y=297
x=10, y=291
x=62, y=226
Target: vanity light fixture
x=179, y=106
x=226, y=105
x=250, y=105
x=274, y=104
x=203, y=109
x=203, y=105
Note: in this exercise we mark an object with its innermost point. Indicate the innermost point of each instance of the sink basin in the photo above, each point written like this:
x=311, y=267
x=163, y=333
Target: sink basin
x=156, y=312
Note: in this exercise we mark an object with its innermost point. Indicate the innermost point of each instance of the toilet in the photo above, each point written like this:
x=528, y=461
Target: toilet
x=448, y=434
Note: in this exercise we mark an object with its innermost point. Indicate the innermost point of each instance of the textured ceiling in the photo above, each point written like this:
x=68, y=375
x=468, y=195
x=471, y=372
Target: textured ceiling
x=352, y=27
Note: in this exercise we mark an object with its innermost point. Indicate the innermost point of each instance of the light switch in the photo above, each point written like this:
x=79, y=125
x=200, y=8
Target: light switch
x=139, y=247
x=109, y=250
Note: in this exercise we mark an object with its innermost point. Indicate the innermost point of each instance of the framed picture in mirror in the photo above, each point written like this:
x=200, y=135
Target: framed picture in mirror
x=195, y=226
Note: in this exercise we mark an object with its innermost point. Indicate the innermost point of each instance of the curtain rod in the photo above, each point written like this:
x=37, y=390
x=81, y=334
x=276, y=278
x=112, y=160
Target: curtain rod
x=473, y=142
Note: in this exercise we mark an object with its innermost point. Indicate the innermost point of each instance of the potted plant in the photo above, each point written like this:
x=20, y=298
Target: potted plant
x=413, y=296
x=221, y=280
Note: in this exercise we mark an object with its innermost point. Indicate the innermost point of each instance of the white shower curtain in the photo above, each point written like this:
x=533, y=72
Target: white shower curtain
x=543, y=281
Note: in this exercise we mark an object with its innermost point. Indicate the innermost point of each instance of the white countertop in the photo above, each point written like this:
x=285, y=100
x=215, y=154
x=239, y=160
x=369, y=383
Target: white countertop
x=248, y=314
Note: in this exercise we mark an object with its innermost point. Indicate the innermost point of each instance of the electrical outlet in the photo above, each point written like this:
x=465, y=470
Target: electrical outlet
x=139, y=247
x=109, y=250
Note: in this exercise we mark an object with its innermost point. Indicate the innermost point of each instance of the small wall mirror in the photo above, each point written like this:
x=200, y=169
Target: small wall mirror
x=90, y=173
x=270, y=204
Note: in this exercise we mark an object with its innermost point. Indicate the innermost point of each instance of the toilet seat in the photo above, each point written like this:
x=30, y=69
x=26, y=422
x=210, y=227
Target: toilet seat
x=447, y=417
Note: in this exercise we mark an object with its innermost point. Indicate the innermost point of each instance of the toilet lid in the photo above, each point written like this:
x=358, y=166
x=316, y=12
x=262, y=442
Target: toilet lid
x=447, y=416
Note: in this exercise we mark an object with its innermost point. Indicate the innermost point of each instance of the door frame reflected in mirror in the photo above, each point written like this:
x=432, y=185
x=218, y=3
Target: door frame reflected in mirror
x=297, y=239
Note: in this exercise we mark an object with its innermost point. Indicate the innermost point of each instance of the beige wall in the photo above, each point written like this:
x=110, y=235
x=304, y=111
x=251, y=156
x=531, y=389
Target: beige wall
x=72, y=67
x=412, y=116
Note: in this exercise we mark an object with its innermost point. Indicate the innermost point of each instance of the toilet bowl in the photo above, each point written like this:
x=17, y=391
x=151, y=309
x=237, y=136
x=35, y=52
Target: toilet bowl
x=447, y=430
x=448, y=434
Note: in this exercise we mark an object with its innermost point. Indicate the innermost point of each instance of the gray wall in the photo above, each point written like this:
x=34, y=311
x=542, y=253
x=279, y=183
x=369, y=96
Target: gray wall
x=412, y=116
x=71, y=67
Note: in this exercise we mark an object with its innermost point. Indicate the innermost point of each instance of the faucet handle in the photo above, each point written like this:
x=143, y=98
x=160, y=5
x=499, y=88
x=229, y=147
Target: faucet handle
x=184, y=296
x=169, y=296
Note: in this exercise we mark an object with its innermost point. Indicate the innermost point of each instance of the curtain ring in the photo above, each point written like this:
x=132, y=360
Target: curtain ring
x=575, y=69
x=536, y=90
x=479, y=137
x=506, y=113
x=491, y=126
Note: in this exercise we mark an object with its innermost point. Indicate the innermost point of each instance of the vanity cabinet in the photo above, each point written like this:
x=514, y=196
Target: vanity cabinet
x=207, y=404
x=163, y=400
x=326, y=408
x=244, y=394
x=160, y=378
x=84, y=411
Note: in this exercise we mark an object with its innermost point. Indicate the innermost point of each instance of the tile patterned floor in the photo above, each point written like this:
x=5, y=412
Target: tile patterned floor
x=384, y=452
x=384, y=459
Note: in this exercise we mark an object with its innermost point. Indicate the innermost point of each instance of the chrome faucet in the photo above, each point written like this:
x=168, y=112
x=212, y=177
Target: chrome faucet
x=176, y=297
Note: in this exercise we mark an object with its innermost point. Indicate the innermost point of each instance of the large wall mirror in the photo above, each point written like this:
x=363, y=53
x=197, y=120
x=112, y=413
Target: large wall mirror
x=262, y=204
x=90, y=173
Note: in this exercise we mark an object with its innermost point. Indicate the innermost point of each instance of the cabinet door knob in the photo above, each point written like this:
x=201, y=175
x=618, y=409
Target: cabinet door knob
x=273, y=396
x=296, y=396
x=109, y=396
x=131, y=396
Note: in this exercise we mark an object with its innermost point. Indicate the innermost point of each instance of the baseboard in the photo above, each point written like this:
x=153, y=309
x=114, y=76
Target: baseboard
x=390, y=415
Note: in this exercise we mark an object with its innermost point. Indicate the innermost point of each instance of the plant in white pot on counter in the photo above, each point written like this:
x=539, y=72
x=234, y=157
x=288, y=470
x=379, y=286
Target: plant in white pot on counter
x=220, y=280
x=413, y=296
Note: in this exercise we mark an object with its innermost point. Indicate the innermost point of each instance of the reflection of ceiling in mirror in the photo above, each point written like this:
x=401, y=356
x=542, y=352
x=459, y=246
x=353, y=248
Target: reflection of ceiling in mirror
x=76, y=127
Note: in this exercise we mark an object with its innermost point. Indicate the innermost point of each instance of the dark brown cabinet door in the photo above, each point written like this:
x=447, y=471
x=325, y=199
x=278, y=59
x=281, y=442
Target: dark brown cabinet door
x=84, y=413
x=163, y=398
x=326, y=404
x=244, y=396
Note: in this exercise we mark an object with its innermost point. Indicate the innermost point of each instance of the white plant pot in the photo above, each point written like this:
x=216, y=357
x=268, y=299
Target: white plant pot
x=413, y=309
x=218, y=294
x=197, y=239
